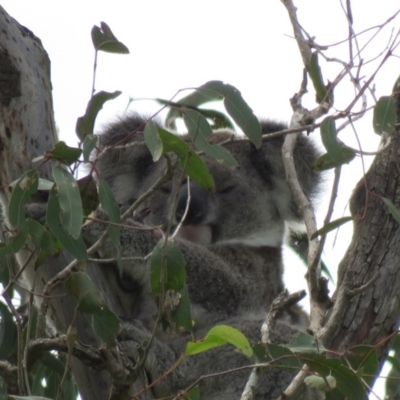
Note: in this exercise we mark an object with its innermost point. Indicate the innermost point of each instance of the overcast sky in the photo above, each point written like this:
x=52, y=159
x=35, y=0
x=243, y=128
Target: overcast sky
x=179, y=44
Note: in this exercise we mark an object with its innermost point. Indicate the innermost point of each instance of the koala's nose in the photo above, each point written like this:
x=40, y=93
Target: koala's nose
x=197, y=209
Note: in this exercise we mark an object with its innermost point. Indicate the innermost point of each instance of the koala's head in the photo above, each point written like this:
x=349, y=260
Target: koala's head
x=249, y=204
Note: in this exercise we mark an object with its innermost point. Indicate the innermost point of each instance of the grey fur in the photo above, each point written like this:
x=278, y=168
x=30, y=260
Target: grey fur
x=231, y=240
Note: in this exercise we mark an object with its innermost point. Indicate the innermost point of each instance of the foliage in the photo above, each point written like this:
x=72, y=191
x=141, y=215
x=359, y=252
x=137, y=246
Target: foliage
x=346, y=375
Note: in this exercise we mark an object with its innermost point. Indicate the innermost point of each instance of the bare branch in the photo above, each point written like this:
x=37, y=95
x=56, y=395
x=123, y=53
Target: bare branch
x=283, y=301
x=304, y=46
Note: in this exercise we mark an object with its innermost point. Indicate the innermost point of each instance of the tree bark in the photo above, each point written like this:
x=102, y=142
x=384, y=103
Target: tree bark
x=27, y=130
x=372, y=316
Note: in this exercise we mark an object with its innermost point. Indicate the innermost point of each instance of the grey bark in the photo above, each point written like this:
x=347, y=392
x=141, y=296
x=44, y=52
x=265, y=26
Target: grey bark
x=373, y=315
x=27, y=130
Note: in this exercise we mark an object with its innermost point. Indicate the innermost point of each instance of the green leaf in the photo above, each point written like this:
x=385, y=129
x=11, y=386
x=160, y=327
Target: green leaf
x=200, y=131
x=70, y=201
x=192, y=394
x=234, y=104
x=42, y=256
x=104, y=40
x=325, y=161
x=303, y=343
x=83, y=291
x=88, y=190
x=237, y=108
x=392, y=209
x=14, y=244
x=167, y=259
x=111, y=207
x=152, y=140
x=316, y=78
x=282, y=357
x=217, y=119
x=193, y=165
x=330, y=226
x=45, y=184
x=298, y=242
x=106, y=326
x=89, y=143
x=347, y=381
x=63, y=153
x=40, y=236
x=385, y=117
x=338, y=153
x=21, y=194
x=218, y=336
x=393, y=379
x=363, y=359
x=85, y=124
x=182, y=315
x=8, y=333
x=325, y=384
x=75, y=246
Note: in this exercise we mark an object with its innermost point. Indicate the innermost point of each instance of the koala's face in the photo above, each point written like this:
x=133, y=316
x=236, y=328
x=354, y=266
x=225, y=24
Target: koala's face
x=249, y=204
x=240, y=208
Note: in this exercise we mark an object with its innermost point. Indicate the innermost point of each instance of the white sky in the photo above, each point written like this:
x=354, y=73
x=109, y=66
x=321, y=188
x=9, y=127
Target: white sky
x=180, y=44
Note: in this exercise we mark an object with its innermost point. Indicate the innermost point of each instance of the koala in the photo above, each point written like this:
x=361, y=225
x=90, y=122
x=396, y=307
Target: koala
x=231, y=239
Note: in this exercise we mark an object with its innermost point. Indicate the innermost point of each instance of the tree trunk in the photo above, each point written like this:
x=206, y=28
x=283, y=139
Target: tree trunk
x=372, y=316
x=27, y=130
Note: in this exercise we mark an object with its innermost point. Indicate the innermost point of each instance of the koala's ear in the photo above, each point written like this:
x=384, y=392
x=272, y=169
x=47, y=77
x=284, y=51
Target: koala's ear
x=124, y=159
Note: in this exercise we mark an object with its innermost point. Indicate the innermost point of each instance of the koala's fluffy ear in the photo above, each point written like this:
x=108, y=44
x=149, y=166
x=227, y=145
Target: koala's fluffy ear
x=124, y=168
x=305, y=153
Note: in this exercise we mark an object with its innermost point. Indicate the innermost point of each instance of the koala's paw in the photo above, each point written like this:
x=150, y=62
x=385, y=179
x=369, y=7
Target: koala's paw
x=37, y=212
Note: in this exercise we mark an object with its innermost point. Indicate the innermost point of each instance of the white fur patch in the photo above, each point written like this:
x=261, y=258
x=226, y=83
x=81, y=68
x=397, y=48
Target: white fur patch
x=271, y=237
x=199, y=234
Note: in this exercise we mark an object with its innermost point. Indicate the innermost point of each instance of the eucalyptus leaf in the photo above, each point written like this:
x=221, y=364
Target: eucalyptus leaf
x=347, y=380
x=75, y=246
x=41, y=238
x=218, y=336
x=200, y=131
x=194, y=167
x=167, y=266
x=103, y=39
x=385, y=117
x=21, y=195
x=234, y=104
x=85, y=124
x=392, y=209
x=70, y=201
x=106, y=326
x=236, y=107
x=182, y=315
x=111, y=207
x=89, y=143
x=64, y=153
x=317, y=79
x=330, y=226
x=152, y=140
x=83, y=291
